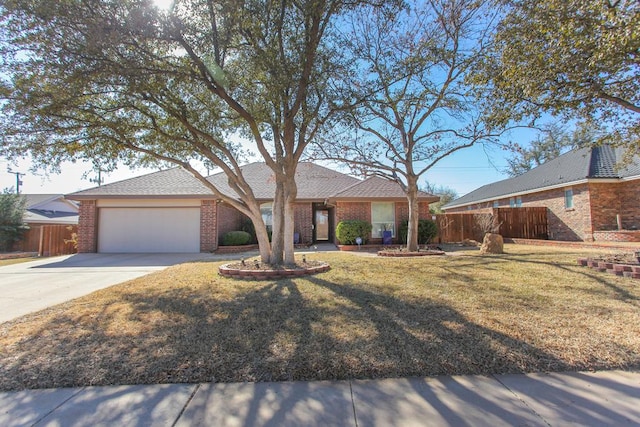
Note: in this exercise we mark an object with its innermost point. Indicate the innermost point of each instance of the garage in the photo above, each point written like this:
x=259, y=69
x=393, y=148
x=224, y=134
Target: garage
x=149, y=230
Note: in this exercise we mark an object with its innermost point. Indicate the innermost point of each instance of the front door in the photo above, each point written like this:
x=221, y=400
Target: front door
x=322, y=225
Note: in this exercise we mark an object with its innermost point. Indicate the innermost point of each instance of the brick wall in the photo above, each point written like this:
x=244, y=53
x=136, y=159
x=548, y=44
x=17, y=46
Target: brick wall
x=609, y=200
x=303, y=220
x=229, y=219
x=353, y=210
x=208, y=223
x=605, y=205
x=362, y=211
x=565, y=224
x=629, y=193
x=87, y=226
x=617, y=236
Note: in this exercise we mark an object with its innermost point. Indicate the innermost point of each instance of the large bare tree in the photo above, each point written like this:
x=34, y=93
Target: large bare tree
x=122, y=81
x=407, y=100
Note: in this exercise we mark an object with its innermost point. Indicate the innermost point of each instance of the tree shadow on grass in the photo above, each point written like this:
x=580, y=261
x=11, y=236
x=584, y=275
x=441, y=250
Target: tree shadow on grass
x=605, y=279
x=301, y=329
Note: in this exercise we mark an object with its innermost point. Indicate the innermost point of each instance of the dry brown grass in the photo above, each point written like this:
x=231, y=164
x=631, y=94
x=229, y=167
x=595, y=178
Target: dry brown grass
x=532, y=309
x=10, y=261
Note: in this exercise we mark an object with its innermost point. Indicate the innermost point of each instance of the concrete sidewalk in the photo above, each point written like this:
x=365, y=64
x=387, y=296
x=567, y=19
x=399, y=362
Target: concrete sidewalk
x=609, y=398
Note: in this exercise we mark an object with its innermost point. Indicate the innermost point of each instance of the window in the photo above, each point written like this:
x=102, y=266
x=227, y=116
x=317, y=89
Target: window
x=382, y=218
x=496, y=204
x=266, y=209
x=568, y=198
x=512, y=202
x=518, y=202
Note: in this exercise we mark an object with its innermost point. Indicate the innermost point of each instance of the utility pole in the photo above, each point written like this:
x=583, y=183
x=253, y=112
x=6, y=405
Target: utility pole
x=99, y=179
x=18, y=180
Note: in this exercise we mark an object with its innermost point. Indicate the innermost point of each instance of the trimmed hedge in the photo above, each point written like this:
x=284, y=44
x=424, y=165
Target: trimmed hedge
x=236, y=238
x=347, y=231
x=427, y=230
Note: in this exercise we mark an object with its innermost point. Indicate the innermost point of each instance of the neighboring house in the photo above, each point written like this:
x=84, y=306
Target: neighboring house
x=588, y=196
x=51, y=219
x=50, y=209
x=171, y=211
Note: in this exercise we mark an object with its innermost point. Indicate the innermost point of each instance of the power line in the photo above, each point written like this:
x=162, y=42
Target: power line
x=18, y=180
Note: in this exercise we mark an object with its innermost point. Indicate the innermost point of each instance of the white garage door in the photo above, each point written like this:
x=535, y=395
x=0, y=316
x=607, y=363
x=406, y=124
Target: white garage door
x=155, y=230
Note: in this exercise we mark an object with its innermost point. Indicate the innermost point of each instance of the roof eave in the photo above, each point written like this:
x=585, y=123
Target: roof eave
x=81, y=197
x=382, y=199
x=522, y=193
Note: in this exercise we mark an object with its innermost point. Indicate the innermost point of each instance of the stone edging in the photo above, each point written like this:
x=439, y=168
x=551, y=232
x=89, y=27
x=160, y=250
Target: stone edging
x=225, y=271
x=625, y=270
x=398, y=254
x=235, y=249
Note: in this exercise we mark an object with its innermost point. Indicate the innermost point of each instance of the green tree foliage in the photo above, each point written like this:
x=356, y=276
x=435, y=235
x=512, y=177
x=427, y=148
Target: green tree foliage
x=12, y=226
x=569, y=58
x=122, y=81
x=446, y=194
x=553, y=142
x=347, y=231
x=407, y=103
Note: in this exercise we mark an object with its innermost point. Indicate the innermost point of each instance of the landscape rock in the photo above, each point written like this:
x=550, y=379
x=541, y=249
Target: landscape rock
x=492, y=244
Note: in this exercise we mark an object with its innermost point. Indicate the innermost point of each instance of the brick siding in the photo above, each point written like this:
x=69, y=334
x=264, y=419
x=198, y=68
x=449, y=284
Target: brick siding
x=229, y=219
x=362, y=211
x=610, y=200
x=617, y=236
x=208, y=224
x=303, y=221
x=87, y=226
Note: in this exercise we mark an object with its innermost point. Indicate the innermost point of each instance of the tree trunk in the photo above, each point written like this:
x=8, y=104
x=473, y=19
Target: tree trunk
x=414, y=214
x=277, y=235
x=289, y=218
x=264, y=246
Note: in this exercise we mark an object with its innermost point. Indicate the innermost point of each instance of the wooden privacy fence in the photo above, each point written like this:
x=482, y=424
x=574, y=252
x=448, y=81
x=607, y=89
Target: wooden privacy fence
x=523, y=223
x=48, y=240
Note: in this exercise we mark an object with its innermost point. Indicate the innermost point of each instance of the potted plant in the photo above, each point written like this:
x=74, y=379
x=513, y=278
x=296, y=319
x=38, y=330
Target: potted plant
x=387, y=234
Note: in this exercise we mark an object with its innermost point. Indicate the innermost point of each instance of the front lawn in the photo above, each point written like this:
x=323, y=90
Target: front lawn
x=10, y=261
x=532, y=309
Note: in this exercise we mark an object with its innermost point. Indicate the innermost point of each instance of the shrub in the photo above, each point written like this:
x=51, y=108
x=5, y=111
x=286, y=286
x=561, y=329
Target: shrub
x=427, y=230
x=236, y=238
x=247, y=225
x=347, y=231
x=12, y=226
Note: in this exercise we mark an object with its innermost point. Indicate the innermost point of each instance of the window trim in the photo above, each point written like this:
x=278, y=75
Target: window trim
x=269, y=205
x=568, y=199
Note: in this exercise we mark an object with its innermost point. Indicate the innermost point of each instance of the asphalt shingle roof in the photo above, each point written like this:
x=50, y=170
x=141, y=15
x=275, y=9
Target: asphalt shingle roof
x=175, y=182
x=573, y=166
x=315, y=182
x=376, y=187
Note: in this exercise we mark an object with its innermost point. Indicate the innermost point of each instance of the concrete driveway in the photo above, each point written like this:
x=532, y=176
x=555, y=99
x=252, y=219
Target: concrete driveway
x=32, y=286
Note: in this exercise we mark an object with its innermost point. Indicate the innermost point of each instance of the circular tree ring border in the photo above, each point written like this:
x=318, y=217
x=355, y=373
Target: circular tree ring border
x=265, y=274
x=400, y=254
